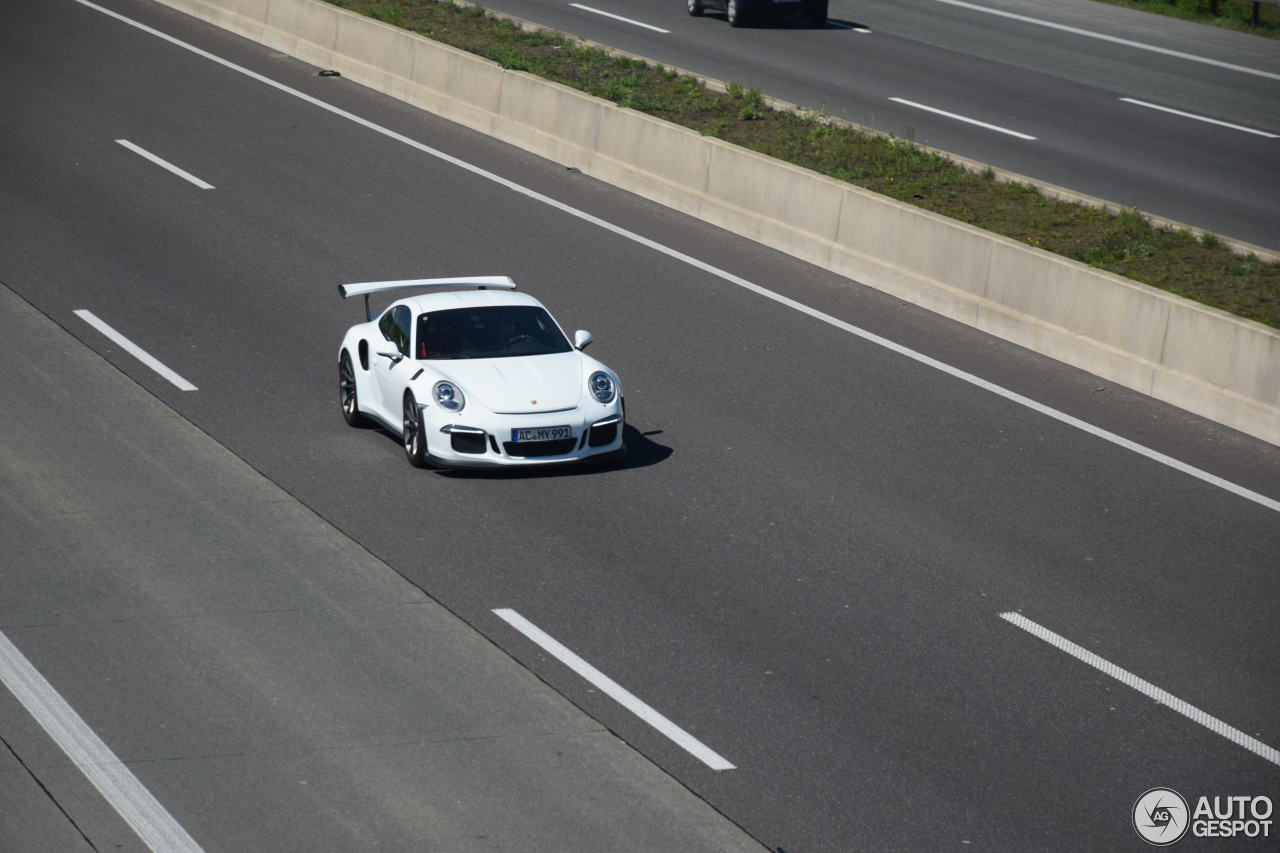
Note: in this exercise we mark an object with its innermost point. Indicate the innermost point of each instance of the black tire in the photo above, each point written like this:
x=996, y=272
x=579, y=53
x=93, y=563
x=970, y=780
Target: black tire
x=817, y=15
x=347, y=397
x=413, y=438
x=734, y=11
x=696, y=8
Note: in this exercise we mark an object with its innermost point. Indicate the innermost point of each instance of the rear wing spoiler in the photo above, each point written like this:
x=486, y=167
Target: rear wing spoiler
x=483, y=282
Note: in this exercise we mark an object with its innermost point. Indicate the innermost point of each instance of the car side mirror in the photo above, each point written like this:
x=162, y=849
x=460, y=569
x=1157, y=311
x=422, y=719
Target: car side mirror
x=581, y=338
x=394, y=355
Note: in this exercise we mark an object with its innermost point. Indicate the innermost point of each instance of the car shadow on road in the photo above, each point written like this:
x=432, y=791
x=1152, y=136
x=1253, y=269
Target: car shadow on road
x=641, y=452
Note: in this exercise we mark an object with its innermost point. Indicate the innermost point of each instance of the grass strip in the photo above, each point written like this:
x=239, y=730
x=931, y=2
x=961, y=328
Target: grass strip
x=1231, y=14
x=1200, y=268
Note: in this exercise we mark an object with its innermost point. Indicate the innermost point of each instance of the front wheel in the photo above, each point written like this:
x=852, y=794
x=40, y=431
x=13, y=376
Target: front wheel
x=696, y=8
x=414, y=437
x=817, y=15
x=734, y=12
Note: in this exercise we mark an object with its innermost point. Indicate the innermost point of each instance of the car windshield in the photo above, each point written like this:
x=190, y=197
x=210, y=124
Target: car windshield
x=497, y=331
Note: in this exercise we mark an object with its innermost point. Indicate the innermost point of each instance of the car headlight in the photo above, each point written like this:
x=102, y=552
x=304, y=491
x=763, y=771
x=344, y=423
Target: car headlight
x=602, y=387
x=448, y=396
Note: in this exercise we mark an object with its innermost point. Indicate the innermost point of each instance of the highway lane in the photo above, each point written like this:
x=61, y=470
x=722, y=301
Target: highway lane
x=804, y=562
x=1061, y=86
x=264, y=682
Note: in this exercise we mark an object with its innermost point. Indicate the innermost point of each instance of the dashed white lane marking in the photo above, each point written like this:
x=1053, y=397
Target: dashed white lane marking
x=165, y=164
x=1191, y=57
x=997, y=128
x=1206, y=119
x=1146, y=688
x=619, y=18
x=615, y=691
x=153, y=824
x=870, y=337
x=134, y=350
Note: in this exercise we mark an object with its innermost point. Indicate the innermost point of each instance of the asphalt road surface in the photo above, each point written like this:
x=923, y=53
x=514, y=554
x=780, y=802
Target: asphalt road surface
x=266, y=680
x=1069, y=92
x=894, y=600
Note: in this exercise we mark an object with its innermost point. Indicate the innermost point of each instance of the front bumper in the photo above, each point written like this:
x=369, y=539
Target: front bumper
x=476, y=438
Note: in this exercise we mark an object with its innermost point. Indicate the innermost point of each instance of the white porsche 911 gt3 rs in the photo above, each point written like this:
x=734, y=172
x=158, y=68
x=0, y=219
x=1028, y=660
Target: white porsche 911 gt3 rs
x=473, y=374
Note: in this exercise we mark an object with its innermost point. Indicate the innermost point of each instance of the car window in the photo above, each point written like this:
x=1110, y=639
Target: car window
x=395, y=325
x=498, y=331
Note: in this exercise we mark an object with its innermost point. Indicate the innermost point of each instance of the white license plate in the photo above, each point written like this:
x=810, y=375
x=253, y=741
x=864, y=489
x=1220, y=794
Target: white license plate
x=554, y=433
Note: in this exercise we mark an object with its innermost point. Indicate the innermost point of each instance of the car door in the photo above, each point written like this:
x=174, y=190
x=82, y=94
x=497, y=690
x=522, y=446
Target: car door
x=392, y=366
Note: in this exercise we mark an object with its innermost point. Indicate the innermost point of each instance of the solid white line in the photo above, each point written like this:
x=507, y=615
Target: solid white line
x=870, y=337
x=966, y=119
x=1191, y=712
x=1200, y=118
x=619, y=18
x=612, y=689
x=134, y=350
x=1114, y=39
x=165, y=164
x=153, y=824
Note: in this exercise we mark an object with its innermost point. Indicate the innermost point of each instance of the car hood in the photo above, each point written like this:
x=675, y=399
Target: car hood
x=521, y=385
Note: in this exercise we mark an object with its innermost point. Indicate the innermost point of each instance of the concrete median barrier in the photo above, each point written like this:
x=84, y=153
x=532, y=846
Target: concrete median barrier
x=1198, y=358
x=449, y=83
